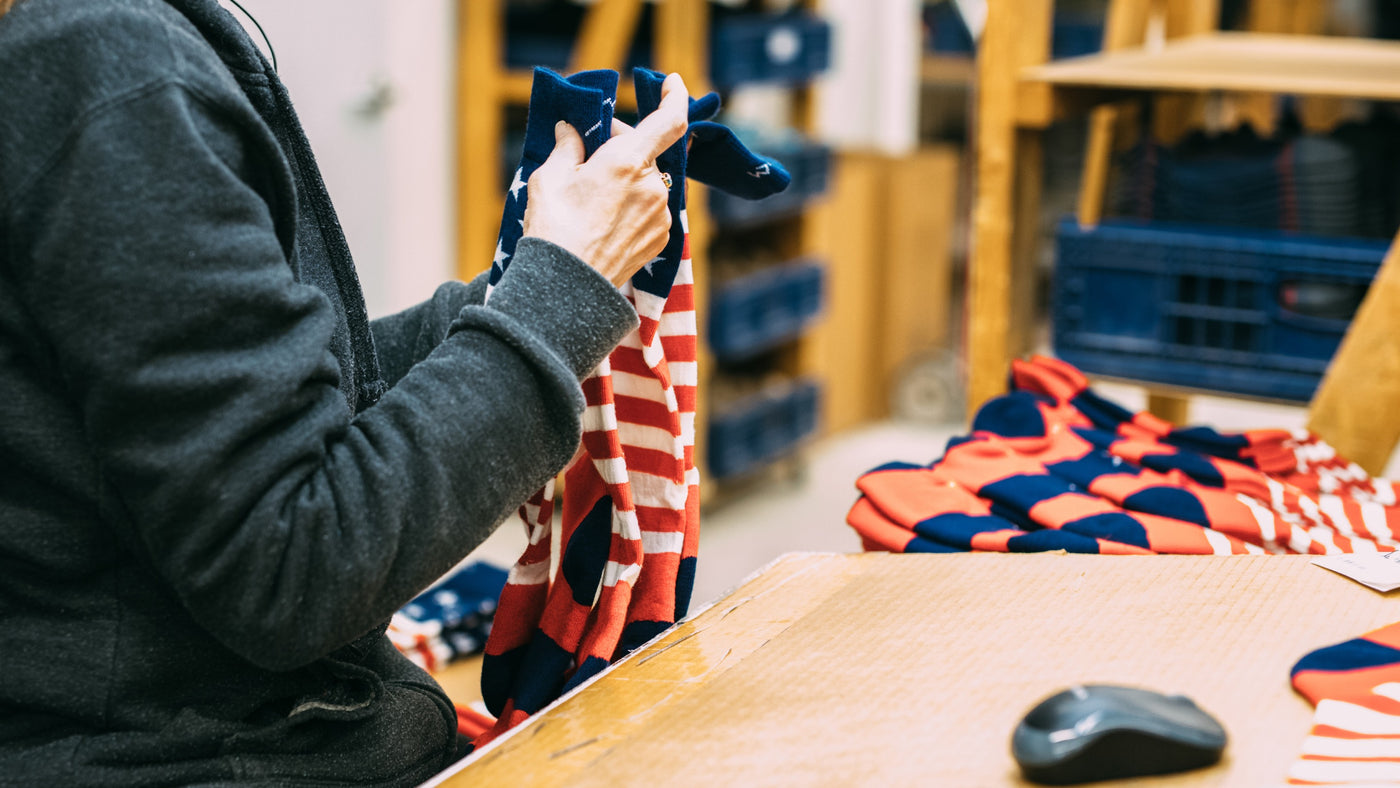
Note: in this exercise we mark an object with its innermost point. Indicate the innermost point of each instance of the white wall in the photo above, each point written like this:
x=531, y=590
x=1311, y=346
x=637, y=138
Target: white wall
x=372, y=82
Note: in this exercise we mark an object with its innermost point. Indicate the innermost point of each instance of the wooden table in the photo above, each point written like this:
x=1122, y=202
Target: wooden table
x=882, y=669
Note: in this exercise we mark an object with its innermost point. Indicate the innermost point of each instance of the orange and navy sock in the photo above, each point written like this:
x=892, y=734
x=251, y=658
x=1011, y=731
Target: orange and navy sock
x=1355, y=735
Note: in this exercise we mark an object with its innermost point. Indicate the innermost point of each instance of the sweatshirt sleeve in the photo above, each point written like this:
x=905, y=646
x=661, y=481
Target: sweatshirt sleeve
x=407, y=337
x=147, y=256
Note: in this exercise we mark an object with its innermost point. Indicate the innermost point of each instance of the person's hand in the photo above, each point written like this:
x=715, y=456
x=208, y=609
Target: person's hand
x=610, y=211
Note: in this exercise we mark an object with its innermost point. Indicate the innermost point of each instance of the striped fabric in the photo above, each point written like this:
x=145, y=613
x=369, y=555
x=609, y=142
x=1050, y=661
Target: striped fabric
x=1355, y=735
x=1297, y=457
x=1053, y=455
x=630, y=509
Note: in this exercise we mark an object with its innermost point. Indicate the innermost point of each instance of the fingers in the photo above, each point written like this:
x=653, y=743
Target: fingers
x=660, y=130
x=568, y=146
x=618, y=127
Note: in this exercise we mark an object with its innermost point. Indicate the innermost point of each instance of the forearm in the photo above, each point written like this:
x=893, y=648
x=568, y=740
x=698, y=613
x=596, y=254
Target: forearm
x=406, y=338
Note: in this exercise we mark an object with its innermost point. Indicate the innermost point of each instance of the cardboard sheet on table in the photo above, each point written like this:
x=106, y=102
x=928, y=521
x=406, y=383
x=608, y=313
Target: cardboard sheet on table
x=882, y=669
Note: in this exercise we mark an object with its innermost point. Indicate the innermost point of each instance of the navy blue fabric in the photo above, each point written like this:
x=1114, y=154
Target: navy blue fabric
x=1169, y=502
x=1091, y=466
x=1114, y=526
x=1205, y=440
x=586, y=555
x=1048, y=539
x=1013, y=415
x=1351, y=655
x=1023, y=492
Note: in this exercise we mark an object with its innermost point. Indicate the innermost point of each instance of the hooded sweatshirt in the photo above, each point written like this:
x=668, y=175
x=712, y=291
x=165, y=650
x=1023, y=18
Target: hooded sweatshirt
x=218, y=478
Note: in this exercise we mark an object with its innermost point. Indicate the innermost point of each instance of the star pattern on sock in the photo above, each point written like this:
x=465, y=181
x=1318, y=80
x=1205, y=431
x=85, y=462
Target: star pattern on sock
x=516, y=184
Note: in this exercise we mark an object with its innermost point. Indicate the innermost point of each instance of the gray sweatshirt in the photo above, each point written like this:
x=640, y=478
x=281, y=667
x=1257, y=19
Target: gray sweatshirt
x=218, y=478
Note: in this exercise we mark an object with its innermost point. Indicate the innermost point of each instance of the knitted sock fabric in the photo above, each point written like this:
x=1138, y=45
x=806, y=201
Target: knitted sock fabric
x=1355, y=735
x=631, y=503
x=452, y=619
x=1055, y=456
x=1295, y=456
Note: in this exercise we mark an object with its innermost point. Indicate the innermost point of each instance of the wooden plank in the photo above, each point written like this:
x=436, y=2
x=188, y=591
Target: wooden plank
x=912, y=670
x=479, y=120
x=915, y=262
x=1023, y=323
x=1176, y=114
x=606, y=35
x=1016, y=35
x=1173, y=408
x=1355, y=407
x=843, y=230
x=1231, y=61
x=1125, y=26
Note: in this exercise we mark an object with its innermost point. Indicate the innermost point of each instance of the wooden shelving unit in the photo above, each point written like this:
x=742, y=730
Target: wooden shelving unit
x=1020, y=94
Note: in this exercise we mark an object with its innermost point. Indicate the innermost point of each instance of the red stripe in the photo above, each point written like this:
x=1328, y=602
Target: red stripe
x=656, y=463
x=681, y=299
x=679, y=348
x=636, y=410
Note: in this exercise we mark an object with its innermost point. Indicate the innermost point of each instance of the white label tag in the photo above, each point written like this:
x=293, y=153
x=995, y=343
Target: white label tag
x=1380, y=571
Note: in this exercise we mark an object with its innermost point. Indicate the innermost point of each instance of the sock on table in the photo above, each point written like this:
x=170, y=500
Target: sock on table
x=1026, y=422
x=631, y=504
x=1355, y=735
x=452, y=619
x=943, y=516
x=1297, y=457
x=1023, y=491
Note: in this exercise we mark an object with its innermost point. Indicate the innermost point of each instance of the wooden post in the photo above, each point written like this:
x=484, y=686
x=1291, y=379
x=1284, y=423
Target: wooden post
x=1016, y=35
x=1355, y=409
x=606, y=35
x=480, y=117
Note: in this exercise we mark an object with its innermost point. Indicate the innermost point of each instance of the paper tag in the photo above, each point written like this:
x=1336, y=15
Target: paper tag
x=1380, y=571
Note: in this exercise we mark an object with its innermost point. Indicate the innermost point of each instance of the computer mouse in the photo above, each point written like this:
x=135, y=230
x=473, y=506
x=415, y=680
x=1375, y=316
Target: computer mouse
x=1103, y=731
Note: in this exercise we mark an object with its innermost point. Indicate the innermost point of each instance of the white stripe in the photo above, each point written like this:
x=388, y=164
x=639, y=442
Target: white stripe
x=687, y=428
x=1275, y=495
x=654, y=542
x=1390, y=689
x=1344, y=771
x=649, y=305
x=1351, y=748
x=1263, y=517
x=1373, y=517
x=683, y=273
x=1331, y=506
x=599, y=418
x=1360, y=544
x=657, y=492
x=692, y=477
x=1219, y=543
x=626, y=384
x=615, y=573
x=1323, y=536
x=625, y=525
x=1309, y=509
x=685, y=222
x=529, y=574
x=684, y=373
x=678, y=324
x=644, y=436
x=1355, y=718
x=1385, y=492
x=612, y=469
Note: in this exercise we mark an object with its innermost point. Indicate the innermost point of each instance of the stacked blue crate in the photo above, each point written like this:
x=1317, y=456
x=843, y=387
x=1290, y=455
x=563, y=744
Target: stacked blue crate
x=1257, y=313
x=764, y=309
x=762, y=428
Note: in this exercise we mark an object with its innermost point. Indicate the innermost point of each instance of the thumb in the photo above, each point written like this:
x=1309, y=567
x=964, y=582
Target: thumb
x=568, y=146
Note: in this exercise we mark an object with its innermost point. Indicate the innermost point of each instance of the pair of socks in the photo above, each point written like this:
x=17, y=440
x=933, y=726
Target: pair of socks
x=1297, y=457
x=630, y=509
x=452, y=619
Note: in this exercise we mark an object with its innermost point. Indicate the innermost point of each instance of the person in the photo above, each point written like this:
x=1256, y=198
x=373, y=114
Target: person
x=218, y=478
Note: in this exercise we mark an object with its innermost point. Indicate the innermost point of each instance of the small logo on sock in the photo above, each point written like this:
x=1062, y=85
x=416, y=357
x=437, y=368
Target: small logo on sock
x=593, y=128
x=760, y=171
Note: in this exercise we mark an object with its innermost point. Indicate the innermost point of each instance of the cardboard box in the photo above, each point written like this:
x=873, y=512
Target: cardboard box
x=881, y=669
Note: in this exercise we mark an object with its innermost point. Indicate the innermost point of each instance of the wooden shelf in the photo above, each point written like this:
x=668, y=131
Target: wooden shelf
x=1291, y=64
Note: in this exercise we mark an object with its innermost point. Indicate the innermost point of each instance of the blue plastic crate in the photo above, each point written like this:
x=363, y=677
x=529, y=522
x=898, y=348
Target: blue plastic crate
x=764, y=309
x=809, y=164
x=1250, y=312
x=761, y=428
x=775, y=48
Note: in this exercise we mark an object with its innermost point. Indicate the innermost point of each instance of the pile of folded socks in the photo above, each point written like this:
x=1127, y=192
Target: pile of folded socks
x=450, y=620
x=1055, y=466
